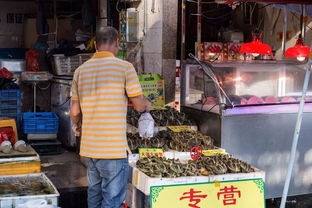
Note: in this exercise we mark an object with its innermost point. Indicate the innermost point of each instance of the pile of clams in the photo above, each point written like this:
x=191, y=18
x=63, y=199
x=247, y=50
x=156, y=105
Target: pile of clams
x=161, y=140
x=212, y=165
x=184, y=141
x=164, y=117
x=221, y=164
x=168, y=168
x=181, y=141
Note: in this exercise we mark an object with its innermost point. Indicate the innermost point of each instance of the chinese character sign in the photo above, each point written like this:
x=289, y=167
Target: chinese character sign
x=193, y=197
x=232, y=194
x=151, y=152
x=229, y=195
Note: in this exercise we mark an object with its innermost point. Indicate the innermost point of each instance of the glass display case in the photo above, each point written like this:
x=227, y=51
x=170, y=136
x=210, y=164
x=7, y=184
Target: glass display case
x=250, y=110
x=244, y=84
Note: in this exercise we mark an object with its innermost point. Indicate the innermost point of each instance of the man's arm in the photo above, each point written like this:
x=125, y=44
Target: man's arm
x=140, y=104
x=76, y=117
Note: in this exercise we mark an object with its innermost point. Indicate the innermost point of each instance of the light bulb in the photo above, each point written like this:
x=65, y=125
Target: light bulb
x=211, y=54
x=237, y=79
x=255, y=54
x=300, y=58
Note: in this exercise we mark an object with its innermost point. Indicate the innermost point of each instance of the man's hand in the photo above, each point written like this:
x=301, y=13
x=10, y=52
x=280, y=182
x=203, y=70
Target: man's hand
x=140, y=104
x=76, y=128
x=148, y=106
x=76, y=117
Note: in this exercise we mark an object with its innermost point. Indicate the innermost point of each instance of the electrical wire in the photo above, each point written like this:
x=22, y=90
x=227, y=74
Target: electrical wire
x=117, y=3
x=204, y=89
x=60, y=105
x=222, y=8
x=205, y=96
x=265, y=6
x=44, y=88
x=210, y=109
x=299, y=20
x=214, y=18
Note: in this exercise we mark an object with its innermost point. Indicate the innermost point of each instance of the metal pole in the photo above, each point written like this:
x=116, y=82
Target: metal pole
x=183, y=30
x=35, y=96
x=296, y=135
x=284, y=29
x=199, y=23
x=303, y=29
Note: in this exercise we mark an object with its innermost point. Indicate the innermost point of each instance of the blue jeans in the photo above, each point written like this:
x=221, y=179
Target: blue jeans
x=107, y=182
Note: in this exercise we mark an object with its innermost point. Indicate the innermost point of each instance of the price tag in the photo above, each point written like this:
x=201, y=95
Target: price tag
x=180, y=128
x=214, y=152
x=151, y=152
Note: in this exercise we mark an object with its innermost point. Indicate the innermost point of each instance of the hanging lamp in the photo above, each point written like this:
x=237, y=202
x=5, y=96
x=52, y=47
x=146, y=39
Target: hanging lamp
x=256, y=47
x=299, y=51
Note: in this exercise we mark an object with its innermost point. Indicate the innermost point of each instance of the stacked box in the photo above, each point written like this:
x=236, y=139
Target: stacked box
x=233, y=52
x=11, y=105
x=213, y=51
x=219, y=52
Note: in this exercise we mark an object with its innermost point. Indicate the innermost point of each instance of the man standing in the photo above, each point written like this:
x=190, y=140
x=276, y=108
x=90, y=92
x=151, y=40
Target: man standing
x=100, y=90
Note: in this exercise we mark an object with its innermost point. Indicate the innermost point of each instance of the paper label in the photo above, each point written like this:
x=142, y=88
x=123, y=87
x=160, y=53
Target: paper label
x=151, y=152
x=180, y=128
x=214, y=152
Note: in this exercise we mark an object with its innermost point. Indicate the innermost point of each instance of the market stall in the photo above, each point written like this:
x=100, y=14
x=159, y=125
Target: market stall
x=249, y=102
x=179, y=160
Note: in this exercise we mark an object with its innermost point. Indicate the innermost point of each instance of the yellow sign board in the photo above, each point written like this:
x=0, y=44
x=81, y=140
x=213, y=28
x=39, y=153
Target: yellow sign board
x=180, y=128
x=227, y=194
x=151, y=152
x=213, y=152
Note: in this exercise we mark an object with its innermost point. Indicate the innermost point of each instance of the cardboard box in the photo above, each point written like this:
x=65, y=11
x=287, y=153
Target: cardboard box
x=233, y=52
x=213, y=51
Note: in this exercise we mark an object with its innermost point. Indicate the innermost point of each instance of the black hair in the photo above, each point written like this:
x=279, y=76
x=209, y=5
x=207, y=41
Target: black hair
x=106, y=35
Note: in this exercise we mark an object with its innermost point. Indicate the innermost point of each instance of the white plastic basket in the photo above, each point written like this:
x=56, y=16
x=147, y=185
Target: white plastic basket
x=63, y=65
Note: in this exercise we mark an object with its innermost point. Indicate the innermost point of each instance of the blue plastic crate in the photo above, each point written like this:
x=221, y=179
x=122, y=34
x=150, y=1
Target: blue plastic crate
x=10, y=111
x=10, y=95
x=10, y=98
x=40, y=123
x=6, y=104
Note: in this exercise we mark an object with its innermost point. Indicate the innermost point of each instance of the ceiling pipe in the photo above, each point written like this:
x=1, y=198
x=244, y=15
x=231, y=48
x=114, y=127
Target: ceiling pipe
x=285, y=29
x=102, y=20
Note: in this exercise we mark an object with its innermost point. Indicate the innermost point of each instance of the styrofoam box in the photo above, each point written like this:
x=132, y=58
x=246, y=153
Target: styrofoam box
x=130, y=196
x=12, y=202
x=143, y=182
x=18, y=159
x=13, y=65
x=133, y=158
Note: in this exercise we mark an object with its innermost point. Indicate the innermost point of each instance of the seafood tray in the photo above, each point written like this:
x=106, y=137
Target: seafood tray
x=18, y=163
x=143, y=182
x=41, y=188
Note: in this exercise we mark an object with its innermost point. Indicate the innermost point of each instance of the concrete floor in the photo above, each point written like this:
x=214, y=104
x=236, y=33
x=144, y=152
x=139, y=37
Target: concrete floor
x=69, y=176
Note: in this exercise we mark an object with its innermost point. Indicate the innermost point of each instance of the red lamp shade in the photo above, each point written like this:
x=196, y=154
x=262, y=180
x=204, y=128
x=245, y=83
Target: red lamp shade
x=256, y=46
x=299, y=50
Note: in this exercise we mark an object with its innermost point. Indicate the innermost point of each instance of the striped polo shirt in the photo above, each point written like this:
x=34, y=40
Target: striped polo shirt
x=102, y=85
